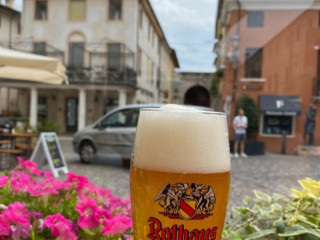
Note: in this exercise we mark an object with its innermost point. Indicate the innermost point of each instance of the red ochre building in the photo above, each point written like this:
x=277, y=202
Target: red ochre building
x=276, y=62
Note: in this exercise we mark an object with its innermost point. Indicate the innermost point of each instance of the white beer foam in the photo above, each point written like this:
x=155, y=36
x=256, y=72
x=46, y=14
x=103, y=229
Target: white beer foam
x=181, y=139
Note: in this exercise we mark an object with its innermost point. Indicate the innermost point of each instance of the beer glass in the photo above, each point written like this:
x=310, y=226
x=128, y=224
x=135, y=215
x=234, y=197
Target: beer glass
x=180, y=174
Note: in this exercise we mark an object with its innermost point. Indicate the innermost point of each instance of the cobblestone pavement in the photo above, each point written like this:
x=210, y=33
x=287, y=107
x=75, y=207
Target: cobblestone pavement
x=271, y=173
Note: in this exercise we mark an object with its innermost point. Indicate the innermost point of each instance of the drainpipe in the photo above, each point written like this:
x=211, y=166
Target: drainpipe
x=235, y=83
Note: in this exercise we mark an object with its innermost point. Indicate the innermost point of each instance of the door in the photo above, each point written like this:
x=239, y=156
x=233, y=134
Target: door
x=76, y=54
x=117, y=131
x=76, y=60
x=72, y=115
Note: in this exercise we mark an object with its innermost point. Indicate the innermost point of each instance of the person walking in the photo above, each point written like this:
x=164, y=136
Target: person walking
x=240, y=124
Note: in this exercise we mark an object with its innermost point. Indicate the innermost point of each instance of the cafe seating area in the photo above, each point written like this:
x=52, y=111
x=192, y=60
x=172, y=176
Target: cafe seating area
x=13, y=145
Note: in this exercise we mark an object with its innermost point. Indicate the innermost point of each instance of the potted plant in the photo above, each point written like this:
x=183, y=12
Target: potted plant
x=253, y=147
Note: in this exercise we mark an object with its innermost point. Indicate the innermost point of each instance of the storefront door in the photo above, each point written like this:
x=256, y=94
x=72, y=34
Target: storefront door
x=72, y=115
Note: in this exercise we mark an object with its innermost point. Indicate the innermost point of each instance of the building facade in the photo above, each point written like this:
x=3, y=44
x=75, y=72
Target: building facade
x=115, y=52
x=195, y=88
x=270, y=51
x=10, y=30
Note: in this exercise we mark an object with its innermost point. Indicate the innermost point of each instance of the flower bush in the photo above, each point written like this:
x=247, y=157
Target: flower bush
x=34, y=205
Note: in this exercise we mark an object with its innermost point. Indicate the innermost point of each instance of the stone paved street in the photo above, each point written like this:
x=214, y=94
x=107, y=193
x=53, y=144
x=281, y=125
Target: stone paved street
x=269, y=173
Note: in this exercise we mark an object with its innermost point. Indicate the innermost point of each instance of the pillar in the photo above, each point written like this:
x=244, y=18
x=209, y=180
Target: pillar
x=34, y=108
x=122, y=98
x=82, y=109
x=0, y=101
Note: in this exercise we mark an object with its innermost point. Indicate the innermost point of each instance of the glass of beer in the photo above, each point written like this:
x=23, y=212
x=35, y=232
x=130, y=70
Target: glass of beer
x=180, y=174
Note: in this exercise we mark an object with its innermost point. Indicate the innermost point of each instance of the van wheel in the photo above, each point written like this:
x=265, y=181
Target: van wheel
x=126, y=162
x=87, y=152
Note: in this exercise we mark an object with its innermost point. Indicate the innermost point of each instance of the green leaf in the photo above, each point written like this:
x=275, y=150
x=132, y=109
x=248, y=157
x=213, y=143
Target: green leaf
x=261, y=234
x=262, y=196
x=88, y=231
x=306, y=221
x=299, y=230
x=280, y=225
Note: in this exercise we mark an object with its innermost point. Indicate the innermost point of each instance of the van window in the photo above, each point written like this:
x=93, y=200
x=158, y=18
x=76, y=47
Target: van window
x=124, y=118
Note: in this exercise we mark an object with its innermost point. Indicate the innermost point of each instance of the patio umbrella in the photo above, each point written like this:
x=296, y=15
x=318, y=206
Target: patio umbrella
x=21, y=66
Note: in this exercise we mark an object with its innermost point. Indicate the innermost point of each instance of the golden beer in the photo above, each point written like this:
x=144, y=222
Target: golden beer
x=180, y=175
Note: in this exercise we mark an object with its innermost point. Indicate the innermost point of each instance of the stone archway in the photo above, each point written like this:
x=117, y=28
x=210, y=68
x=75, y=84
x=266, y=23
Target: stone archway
x=198, y=96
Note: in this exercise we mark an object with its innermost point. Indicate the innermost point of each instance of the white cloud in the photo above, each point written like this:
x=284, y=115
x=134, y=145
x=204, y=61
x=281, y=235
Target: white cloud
x=189, y=27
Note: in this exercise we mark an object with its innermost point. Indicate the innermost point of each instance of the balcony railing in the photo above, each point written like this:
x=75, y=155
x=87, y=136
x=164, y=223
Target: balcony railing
x=97, y=65
x=101, y=74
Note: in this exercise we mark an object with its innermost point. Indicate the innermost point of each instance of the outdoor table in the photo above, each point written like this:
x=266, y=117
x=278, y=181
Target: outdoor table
x=25, y=147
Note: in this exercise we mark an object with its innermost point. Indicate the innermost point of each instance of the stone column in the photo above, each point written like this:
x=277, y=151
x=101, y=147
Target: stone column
x=1, y=100
x=122, y=98
x=82, y=109
x=33, y=108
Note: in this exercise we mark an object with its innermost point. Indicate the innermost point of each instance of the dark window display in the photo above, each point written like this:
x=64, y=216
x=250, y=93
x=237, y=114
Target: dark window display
x=277, y=125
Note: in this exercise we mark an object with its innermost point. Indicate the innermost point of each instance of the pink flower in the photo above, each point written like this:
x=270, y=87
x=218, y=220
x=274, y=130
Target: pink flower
x=117, y=224
x=59, y=225
x=36, y=215
x=15, y=220
x=79, y=181
x=19, y=208
x=3, y=180
x=89, y=213
x=21, y=181
x=103, y=196
x=29, y=167
x=64, y=232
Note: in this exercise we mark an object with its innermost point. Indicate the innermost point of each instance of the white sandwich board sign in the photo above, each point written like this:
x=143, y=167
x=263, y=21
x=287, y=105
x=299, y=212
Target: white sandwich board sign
x=48, y=148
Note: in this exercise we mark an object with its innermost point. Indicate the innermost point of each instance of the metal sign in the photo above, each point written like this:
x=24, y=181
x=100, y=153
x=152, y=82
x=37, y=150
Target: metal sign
x=48, y=146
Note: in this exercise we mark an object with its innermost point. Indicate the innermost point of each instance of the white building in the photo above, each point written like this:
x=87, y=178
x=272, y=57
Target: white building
x=115, y=52
x=9, y=33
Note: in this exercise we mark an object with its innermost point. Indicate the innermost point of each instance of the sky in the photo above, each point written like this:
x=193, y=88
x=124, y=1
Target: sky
x=189, y=27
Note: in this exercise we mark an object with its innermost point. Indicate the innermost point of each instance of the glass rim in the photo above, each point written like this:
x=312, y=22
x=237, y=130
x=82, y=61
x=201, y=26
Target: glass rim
x=201, y=111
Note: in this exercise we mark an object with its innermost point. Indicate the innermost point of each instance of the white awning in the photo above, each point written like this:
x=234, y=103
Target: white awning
x=21, y=66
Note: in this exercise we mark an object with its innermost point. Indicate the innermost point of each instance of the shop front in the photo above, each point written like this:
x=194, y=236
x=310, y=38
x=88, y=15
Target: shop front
x=278, y=122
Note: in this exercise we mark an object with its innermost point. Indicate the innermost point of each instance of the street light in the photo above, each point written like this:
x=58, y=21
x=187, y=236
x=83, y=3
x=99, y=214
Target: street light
x=234, y=57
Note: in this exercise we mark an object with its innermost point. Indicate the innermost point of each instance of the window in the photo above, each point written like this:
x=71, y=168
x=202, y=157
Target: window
x=277, y=125
x=114, y=56
x=139, y=65
x=41, y=11
x=77, y=10
x=141, y=17
x=253, y=68
x=152, y=72
x=19, y=28
x=148, y=70
x=42, y=108
x=149, y=31
x=255, y=19
x=110, y=104
x=76, y=54
x=125, y=118
x=153, y=37
x=115, y=9
x=39, y=48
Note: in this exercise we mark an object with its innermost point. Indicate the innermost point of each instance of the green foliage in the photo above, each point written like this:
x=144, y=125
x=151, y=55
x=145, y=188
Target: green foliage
x=46, y=126
x=216, y=79
x=251, y=111
x=278, y=217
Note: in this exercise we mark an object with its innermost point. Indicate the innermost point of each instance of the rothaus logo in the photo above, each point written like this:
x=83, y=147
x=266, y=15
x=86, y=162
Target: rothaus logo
x=185, y=202
x=181, y=201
